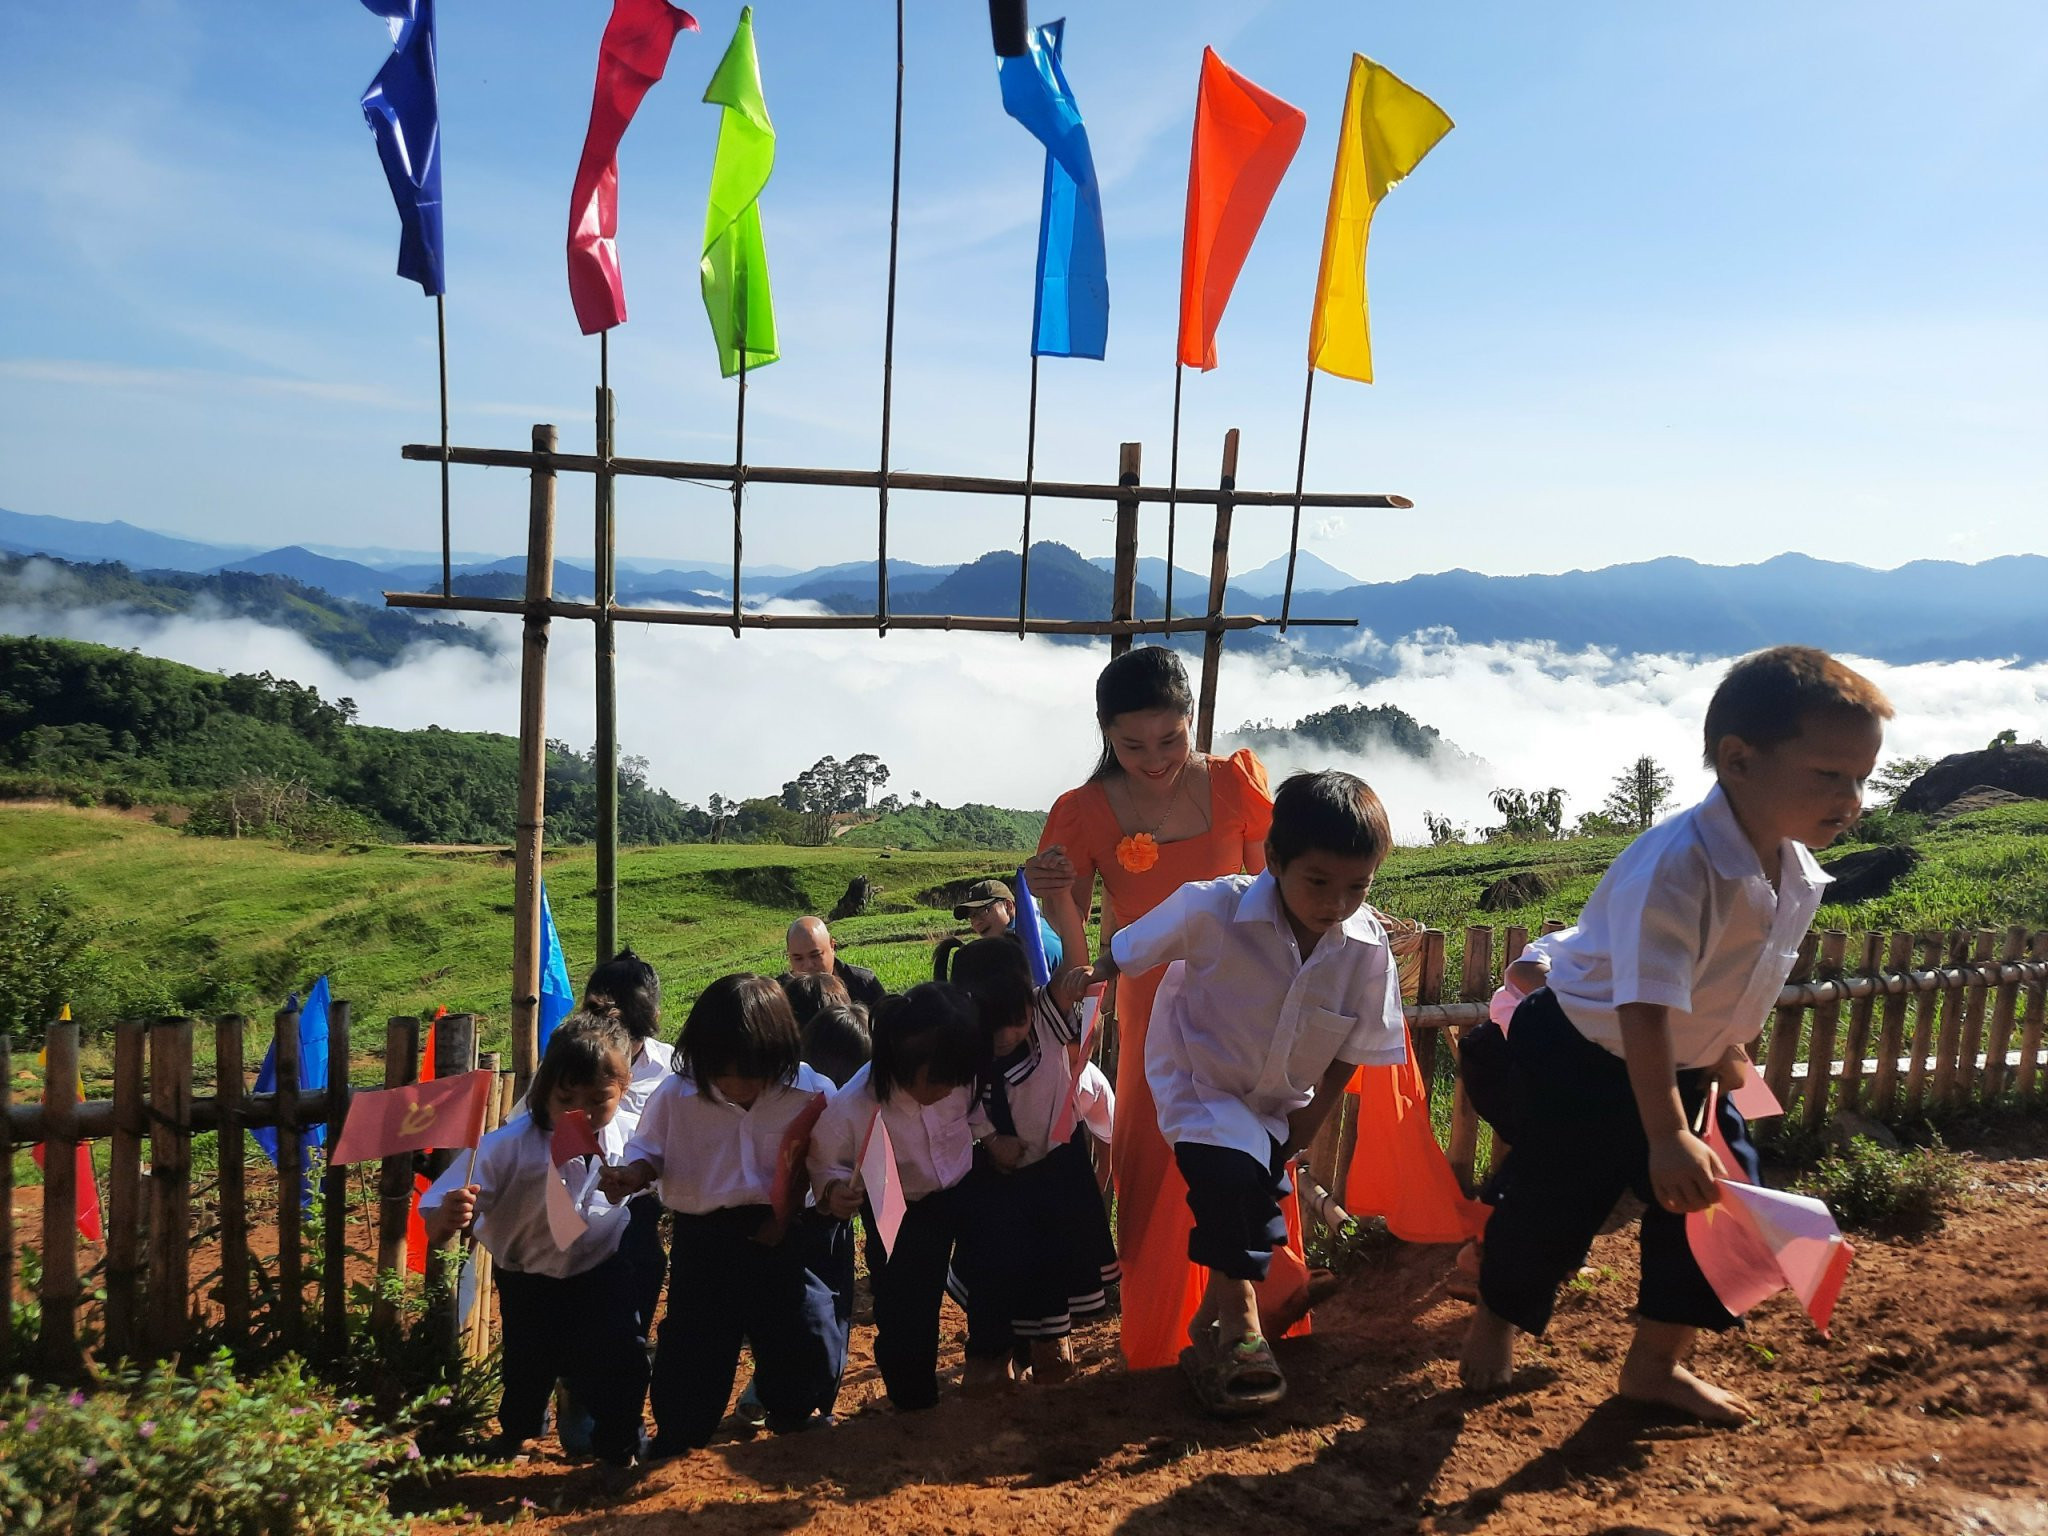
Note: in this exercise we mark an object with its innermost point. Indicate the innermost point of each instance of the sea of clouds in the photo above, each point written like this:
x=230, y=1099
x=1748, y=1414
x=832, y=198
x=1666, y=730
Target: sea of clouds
x=990, y=718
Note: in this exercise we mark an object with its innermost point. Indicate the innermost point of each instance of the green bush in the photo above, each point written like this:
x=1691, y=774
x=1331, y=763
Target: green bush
x=1891, y=1193
x=157, y=1452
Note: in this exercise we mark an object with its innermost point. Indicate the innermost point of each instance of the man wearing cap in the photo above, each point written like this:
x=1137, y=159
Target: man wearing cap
x=990, y=909
x=809, y=949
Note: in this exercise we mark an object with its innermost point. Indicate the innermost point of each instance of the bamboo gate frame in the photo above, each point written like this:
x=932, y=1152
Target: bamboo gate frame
x=539, y=606
x=1938, y=1020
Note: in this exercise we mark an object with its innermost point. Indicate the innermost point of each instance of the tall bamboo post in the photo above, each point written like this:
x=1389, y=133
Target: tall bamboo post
x=57, y=1345
x=454, y=1054
x=291, y=1183
x=230, y=1088
x=1219, y=579
x=1475, y=985
x=334, y=1186
x=170, y=1184
x=1429, y=989
x=1123, y=600
x=124, y=1191
x=607, y=765
x=532, y=819
x=394, y=1178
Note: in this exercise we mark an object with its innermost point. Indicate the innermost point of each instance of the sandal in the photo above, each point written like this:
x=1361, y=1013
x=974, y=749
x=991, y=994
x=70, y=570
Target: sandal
x=1235, y=1380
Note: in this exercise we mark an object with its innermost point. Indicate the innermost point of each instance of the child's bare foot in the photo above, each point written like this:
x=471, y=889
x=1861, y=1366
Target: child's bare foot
x=1052, y=1361
x=1487, y=1362
x=1670, y=1385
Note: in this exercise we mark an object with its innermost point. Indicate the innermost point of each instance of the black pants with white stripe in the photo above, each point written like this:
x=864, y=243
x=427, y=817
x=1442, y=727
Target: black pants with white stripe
x=583, y=1330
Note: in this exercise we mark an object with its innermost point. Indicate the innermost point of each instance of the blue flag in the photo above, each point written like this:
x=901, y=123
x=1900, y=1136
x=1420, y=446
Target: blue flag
x=1031, y=933
x=403, y=108
x=557, y=993
x=1073, y=273
x=312, y=1074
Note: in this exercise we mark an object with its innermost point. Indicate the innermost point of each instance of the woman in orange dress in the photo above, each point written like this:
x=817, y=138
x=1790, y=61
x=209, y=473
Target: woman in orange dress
x=1154, y=815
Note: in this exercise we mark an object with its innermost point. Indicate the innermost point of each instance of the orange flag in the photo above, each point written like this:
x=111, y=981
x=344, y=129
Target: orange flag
x=89, y=1224
x=1245, y=139
x=415, y=1224
x=1397, y=1169
x=383, y=1122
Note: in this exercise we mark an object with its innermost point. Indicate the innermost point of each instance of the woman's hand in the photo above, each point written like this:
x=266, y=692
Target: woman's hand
x=840, y=1199
x=1006, y=1152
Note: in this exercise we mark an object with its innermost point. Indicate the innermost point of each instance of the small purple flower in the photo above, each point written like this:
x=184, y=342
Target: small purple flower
x=299, y=1412
x=443, y=1402
x=91, y=1467
x=32, y=1425
x=350, y=1405
x=528, y=1504
x=147, y=1429
x=412, y=1452
x=76, y=1399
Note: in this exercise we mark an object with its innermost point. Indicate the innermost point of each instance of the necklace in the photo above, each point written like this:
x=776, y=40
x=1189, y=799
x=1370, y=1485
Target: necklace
x=1172, y=797
x=1139, y=851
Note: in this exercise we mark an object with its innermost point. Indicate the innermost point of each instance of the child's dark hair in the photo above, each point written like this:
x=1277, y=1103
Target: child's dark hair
x=836, y=1041
x=1147, y=677
x=1332, y=810
x=813, y=992
x=631, y=987
x=994, y=973
x=934, y=1028
x=740, y=1026
x=1765, y=698
x=586, y=1047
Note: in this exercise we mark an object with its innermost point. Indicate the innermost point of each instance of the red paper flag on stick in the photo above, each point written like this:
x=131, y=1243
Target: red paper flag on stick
x=90, y=1227
x=572, y=1138
x=1245, y=138
x=631, y=58
x=383, y=1122
x=787, y=1198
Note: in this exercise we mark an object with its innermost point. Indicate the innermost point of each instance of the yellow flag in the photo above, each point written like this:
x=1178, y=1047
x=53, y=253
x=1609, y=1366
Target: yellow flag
x=1388, y=127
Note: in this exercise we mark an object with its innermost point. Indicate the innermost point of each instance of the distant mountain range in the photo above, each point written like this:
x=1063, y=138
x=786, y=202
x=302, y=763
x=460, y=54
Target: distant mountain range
x=1930, y=610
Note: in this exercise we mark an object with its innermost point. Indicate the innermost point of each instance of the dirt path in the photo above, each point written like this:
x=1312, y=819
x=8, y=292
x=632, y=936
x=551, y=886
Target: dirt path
x=1928, y=1412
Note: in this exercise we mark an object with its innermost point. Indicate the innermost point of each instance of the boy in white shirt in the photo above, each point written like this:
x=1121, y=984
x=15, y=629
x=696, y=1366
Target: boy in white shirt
x=1284, y=987
x=1678, y=956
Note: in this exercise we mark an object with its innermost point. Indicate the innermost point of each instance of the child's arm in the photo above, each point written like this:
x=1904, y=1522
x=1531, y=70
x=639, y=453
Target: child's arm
x=622, y=1183
x=1303, y=1124
x=1682, y=1167
x=457, y=1208
x=1161, y=935
x=834, y=1147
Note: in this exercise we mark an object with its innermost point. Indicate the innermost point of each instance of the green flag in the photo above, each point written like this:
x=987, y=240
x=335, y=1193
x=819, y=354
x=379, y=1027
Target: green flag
x=735, y=264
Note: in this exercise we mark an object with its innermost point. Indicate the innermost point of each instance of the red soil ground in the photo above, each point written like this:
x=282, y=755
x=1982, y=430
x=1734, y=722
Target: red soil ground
x=1927, y=1412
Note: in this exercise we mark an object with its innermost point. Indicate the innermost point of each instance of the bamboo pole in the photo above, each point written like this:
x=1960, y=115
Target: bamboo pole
x=1996, y=1074
x=476, y=1326
x=1429, y=989
x=607, y=765
x=291, y=1183
x=1850, y=1094
x=1784, y=1039
x=57, y=1349
x=1975, y=997
x=441, y=349
x=394, y=1178
x=1820, y=1051
x=1948, y=1040
x=532, y=817
x=1124, y=592
x=1308, y=395
x=883, y=478
x=124, y=1191
x=334, y=1184
x=1929, y=947
x=1030, y=472
x=6, y=1195
x=170, y=1184
x=1898, y=958
x=454, y=1054
x=2030, y=1029
x=1219, y=581
x=230, y=1092
x=1475, y=985
x=1173, y=488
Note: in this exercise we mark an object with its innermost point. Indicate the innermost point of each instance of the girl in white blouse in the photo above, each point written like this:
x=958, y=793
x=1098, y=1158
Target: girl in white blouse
x=928, y=1055
x=713, y=1133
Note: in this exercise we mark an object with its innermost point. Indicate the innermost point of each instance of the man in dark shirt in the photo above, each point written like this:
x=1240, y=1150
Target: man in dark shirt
x=810, y=951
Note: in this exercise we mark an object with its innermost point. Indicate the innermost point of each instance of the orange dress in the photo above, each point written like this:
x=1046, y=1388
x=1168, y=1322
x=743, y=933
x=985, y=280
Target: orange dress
x=1161, y=1288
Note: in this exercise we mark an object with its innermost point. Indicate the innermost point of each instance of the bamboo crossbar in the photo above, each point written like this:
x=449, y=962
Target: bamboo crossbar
x=556, y=608
x=899, y=480
x=97, y=1118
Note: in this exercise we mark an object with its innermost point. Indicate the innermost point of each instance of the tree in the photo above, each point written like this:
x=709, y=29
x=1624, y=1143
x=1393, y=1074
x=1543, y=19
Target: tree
x=1639, y=791
x=1441, y=830
x=1532, y=815
x=864, y=773
x=1897, y=776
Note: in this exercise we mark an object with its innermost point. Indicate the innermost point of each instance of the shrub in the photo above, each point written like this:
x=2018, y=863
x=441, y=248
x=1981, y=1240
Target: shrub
x=156, y=1452
x=1891, y=1193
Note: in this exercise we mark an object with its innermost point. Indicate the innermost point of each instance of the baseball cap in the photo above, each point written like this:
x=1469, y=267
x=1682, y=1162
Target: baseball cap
x=980, y=894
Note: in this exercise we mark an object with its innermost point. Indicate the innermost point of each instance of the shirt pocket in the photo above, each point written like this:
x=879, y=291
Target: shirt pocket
x=1317, y=1039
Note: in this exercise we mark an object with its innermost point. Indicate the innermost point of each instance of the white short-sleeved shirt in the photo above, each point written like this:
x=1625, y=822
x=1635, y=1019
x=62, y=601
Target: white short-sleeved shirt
x=934, y=1144
x=512, y=1167
x=1038, y=1084
x=707, y=1151
x=655, y=1064
x=1242, y=1028
x=1686, y=918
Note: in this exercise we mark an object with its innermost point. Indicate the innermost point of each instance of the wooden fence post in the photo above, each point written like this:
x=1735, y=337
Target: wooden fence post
x=1429, y=989
x=334, y=1186
x=2030, y=1030
x=1983, y=953
x=1995, y=1075
x=124, y=1190
x=1475, y=986
x=57, y=1345
x=1925, y=1007
x=291, y=1182
x=394, y=1182
x=1948, y=1040
x=1820, y=1055
x=476, y=1329
x=231, y=1093
x=6, y=1194
x=170, y=1184
x=1898, y=959
x=1869, y=964
x=1784, y=1041
x=454, y=1054
x=1123, y=597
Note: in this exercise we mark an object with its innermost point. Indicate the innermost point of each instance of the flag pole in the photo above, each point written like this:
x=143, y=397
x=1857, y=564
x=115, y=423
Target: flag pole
x=1030, y=469
x=441, y=340
x=1300, y=465
x=607, y=766
x=1173, y=487
x=889, y=338
x=739, y=471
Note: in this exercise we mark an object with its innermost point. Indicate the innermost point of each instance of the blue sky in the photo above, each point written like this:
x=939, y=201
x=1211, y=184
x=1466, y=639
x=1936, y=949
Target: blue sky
x=1705, y=281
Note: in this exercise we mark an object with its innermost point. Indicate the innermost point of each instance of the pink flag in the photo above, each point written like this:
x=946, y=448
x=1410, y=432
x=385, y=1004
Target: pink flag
x=565, y=1222
x=572, y=1138
x=1069, y=1113
x=1754, y=1098
x=787, y=1196
x=884, y=1187
x=631, y=58
x=382, y=1122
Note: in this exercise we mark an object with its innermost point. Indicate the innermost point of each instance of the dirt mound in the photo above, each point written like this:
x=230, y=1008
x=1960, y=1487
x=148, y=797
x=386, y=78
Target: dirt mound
x=1516, y=890
x=763, y=885
x=1927, y=1411
x=1869, y=872
x=2021, y=770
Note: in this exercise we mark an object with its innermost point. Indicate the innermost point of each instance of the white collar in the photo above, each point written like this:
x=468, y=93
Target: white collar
x=1734, y=857
x=1261, y=902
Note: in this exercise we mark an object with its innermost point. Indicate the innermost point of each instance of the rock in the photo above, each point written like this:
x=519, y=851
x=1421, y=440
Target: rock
x=1869, y=872
x=1980, y=798
x=2021, y=770
x=1847, y=1126
x=859, y=892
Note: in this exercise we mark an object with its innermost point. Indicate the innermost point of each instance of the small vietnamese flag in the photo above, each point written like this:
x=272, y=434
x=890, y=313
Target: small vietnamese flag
x=89, y=1224
x=383, y=1122
x=787, y=1197
x=572, y=1138
x=884, y=1186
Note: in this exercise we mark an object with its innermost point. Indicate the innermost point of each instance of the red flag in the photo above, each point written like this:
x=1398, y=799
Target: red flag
x=631, y=58
x=416, y=1227
x=787, y=1198
x=383, y=1122
x=88, y=1203
x=1245, y=139
x=572, y=1138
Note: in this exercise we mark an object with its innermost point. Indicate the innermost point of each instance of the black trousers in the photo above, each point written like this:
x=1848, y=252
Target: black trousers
x=1236, y=1202
x=1581, y=1144
x=1046, y=1241
x=909, y=1286
x=725, y=1289
x=582, y=1330
x=828, y=1253
x=642, y=1247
